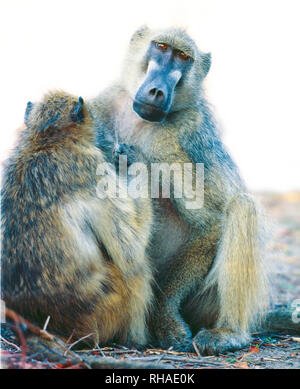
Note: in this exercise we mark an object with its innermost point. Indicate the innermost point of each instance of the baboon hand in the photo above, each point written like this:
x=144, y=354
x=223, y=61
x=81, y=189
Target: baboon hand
x=219, y=341
x=123, y=150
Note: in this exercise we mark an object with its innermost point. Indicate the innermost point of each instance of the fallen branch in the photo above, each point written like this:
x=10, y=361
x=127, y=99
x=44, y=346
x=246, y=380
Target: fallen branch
x=54, y=349
x=26, y=325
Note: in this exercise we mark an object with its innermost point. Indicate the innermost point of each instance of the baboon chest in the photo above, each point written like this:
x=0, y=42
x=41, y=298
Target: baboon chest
x=171, y=232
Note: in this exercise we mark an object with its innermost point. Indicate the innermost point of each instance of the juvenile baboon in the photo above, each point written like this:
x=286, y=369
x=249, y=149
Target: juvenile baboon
x=67, y=250
x=212, y=283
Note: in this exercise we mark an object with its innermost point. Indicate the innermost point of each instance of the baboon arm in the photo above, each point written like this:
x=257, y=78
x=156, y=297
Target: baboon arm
x=203, y=211
x=196, y=200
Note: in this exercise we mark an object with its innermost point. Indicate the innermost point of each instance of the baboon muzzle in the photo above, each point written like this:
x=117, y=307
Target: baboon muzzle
x=154, y=98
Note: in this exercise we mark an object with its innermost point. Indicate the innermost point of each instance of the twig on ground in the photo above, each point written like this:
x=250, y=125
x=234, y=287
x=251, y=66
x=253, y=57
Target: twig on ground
x=101, y=352
x=9, y=313
x=79, y=340
x=164, y=354
x=9, y=343
x=196, y=348
x=158, y=351
x=70, y=337
x=18, y=320
x=170, y=358
x=46, y=323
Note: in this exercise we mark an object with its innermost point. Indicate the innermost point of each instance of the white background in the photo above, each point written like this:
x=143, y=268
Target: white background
x=254, y=82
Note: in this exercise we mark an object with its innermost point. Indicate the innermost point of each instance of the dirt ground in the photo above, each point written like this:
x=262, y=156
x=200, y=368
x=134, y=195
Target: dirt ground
x=271, y=351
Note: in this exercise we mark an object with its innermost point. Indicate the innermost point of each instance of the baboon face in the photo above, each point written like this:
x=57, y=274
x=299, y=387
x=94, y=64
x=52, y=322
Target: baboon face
x=163, y=72
x=166, y=67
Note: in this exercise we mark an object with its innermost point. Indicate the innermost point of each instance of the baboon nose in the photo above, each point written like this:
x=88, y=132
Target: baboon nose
x=156, y=96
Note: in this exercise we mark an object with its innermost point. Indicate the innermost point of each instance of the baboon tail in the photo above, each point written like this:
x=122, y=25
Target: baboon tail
x=283, y=319
x=238, y=272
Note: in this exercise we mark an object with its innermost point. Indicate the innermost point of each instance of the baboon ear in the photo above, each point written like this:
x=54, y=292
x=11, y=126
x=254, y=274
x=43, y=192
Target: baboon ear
x=27, y=111
x=140, y=33
x=77, y=112
x=205, y=63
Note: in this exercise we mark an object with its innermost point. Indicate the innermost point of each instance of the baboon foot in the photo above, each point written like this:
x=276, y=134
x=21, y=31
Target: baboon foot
x=219, y=341
x=175, y=344
x=173, y=333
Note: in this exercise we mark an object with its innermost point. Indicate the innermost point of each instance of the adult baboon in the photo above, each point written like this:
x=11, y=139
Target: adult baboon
x=212, y=282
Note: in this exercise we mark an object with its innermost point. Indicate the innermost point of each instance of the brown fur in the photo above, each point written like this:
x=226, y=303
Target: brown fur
x=67, y=253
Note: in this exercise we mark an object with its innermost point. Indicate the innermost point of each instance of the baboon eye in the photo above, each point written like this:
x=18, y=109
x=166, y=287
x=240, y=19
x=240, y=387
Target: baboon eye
x=183, y=56
x=161, y=46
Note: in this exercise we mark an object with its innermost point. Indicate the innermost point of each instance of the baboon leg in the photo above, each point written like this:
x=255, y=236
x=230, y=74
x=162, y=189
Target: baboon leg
x=185, y=275
x=239, y=279
x=201, y=313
